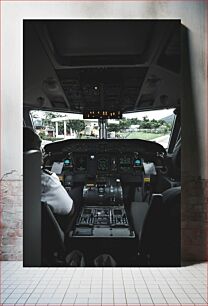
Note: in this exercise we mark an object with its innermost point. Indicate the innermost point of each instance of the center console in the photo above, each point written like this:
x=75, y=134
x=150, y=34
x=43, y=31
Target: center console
x=106, y=221
x=103, y=191
x=108, y=216
x=103, y=213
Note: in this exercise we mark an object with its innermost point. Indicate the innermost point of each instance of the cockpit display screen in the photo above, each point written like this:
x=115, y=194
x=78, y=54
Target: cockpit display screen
x=125, y=162
x=137, y=162
x=81, y=163
x=103, y=164
x=67, y=162
x=95, y=114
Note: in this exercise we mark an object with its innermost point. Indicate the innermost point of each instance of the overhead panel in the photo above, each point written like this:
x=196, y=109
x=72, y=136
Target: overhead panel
x=111, y=65
x=102, y=88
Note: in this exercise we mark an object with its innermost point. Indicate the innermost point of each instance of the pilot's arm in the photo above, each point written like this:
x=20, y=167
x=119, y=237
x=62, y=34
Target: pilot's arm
x=54, y=194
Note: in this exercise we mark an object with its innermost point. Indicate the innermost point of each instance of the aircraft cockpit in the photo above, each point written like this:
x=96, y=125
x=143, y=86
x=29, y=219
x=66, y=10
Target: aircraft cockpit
x=122, y=172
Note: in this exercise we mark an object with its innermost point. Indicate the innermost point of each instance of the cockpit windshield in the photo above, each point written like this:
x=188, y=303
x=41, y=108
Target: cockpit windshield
x=150, y=125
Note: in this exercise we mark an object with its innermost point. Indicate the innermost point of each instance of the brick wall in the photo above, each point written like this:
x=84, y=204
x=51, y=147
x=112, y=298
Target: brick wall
x=194, y=220
x=11, y=226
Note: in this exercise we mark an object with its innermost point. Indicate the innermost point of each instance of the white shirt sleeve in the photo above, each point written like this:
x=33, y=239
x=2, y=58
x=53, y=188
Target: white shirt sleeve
x=54, y=194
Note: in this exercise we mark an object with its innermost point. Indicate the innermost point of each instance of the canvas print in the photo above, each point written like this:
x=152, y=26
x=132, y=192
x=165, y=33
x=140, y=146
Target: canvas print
x=102, y=143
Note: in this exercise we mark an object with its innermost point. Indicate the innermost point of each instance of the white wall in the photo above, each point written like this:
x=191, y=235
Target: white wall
x=13, y=12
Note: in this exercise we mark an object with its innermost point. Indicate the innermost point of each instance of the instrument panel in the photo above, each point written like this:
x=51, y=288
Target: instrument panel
x=111, y=162
x=101, y=157
x=106, y=164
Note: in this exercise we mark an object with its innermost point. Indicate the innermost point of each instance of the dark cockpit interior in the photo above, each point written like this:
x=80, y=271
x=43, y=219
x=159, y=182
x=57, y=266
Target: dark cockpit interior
x=125, y=65
x=126, y=191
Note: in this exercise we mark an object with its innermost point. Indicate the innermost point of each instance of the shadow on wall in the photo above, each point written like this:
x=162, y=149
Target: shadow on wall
x=193, y=207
